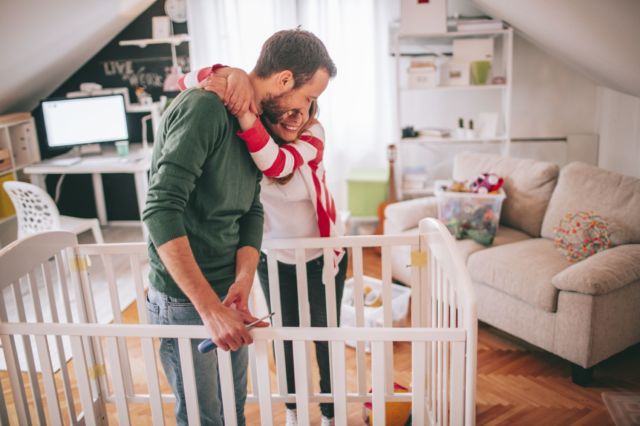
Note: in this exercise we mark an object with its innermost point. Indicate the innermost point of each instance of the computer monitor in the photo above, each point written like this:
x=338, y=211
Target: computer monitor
x=86, y=120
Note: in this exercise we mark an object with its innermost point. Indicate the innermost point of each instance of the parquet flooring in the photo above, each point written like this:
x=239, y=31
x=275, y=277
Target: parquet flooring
x=517, y=384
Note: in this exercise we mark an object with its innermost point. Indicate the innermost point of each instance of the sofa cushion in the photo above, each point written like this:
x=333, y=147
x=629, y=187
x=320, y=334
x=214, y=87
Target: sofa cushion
x=401, y=255
x=527, y=183
x=582, y=187
x=523, y=270
x=603, y=272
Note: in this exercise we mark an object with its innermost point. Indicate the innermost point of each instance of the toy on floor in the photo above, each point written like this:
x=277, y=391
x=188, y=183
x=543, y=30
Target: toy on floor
x=396, y=413
x=581, y=234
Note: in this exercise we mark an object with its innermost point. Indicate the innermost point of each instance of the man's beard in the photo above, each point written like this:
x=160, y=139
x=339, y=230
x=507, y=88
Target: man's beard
x=273, y=109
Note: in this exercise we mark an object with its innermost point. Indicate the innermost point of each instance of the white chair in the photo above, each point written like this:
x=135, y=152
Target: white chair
x=37, y=212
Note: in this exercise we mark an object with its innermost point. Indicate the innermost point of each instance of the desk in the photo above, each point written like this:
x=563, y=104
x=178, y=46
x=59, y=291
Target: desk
x=137, y=163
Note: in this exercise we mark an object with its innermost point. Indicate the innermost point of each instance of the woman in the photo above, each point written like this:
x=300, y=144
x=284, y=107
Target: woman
x=289, y=152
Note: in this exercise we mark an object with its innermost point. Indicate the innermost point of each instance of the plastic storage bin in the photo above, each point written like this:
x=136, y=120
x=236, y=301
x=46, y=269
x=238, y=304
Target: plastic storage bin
x=374, y=316
x=469, y=215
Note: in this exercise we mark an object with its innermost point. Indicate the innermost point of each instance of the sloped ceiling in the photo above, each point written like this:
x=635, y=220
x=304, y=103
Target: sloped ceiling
x=599, y=38
x=45, y=42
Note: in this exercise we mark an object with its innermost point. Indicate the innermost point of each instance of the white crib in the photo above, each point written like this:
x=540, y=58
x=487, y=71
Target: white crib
x=49, y=301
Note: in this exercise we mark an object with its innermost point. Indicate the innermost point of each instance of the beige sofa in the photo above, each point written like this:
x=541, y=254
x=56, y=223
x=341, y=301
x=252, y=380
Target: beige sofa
x=584, y=312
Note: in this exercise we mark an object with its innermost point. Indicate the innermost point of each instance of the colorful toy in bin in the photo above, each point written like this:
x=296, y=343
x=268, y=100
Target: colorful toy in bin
x=396, y=413
x=486, y=183
x=469, y=214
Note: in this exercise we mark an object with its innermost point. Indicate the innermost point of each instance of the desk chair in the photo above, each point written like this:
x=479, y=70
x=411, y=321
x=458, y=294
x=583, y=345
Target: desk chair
x=37, y=212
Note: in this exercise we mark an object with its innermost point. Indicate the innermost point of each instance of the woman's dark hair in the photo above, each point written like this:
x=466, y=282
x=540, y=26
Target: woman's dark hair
x=298, y=51
x=313, y=111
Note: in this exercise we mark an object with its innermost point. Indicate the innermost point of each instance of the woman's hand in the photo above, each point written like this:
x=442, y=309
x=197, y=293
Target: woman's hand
x=247, y=120
x=233, y=87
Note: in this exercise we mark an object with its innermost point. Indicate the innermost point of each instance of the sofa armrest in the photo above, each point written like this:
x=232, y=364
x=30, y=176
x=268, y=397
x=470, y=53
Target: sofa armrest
x=405, y=215
x=603, y=272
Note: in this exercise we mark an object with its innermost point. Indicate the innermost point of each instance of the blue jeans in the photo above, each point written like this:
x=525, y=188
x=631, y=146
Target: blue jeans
x=168, y=310
x=318, y=314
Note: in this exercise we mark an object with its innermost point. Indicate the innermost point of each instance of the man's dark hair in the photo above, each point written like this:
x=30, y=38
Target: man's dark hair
x=298, y=51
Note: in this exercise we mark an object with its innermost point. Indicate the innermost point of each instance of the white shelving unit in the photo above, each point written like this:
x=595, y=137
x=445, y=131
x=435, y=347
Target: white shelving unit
x=19, y=139
x=440, y=106
x=174, y=40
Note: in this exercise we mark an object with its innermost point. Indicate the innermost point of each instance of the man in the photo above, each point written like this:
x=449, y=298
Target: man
x=205, y=218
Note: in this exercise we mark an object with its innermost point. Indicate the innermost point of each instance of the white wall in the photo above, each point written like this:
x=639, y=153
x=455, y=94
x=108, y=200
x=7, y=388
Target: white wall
x=45, y=42
x=549, y=99
x=619, y=129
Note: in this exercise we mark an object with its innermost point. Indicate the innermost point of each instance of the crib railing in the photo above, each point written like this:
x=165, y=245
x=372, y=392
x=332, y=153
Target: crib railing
x=46, y=267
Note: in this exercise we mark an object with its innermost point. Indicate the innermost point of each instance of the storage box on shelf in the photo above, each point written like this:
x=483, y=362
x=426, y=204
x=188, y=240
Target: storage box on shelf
x=434, y=76
x=18, y=149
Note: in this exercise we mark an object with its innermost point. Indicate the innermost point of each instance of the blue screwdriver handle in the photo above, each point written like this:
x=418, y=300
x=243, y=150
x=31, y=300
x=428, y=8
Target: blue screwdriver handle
x=207, y=345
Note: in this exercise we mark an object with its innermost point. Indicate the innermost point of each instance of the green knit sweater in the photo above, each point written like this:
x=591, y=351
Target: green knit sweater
x=203, y=184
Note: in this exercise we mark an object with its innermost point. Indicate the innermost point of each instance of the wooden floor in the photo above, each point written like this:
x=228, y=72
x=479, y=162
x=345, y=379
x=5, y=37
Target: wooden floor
x=518, y=384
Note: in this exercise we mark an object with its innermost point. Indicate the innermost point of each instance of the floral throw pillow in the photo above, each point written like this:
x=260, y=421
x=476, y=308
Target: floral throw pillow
x=581, y=234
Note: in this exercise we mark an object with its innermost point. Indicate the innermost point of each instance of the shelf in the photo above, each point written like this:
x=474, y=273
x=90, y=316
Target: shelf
x=458, y=88
x=174, y=40
x=447, y=141
x=454, y=34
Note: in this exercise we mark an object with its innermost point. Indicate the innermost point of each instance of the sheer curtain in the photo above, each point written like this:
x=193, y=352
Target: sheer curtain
x=357, y=109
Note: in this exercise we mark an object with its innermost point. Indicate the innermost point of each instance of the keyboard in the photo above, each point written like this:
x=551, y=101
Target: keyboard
x=64, y=161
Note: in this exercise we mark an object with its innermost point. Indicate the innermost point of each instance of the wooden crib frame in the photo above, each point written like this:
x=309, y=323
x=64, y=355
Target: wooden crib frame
x=443, y=335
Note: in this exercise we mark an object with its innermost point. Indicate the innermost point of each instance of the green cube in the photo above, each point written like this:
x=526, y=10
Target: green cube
x=367, y=188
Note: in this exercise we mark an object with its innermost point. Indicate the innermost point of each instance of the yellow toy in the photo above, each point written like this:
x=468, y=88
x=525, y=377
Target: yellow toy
x=397, y=413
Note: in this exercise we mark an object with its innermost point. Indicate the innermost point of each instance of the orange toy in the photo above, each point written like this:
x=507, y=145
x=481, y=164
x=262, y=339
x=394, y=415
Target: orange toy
x=397, y=413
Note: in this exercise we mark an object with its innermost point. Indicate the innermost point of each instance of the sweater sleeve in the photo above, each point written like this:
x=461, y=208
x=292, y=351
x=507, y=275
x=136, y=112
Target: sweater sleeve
x=190, y=134
x=193, y=78
x=281, y=160
x=251, y=223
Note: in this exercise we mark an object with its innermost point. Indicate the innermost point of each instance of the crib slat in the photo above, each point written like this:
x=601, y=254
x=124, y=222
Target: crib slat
x=304, y=310
x=225, y=372
x=53, y=403
x=13, y=368
x=149, y=354
x=253, y=370
x=457, y=383
x=330, y=289
x=418, y=352
x=264, y=383
x=57, y=340
x=302, y=380
x=118, y=381
x=416, y=292
x=189, y=381
x=379, y=378
x=303, y=292
x=358, y=297
x=148, y=350
x=116, y=311
x=82, y=379
x=274, y=292
x=339, y=385
x=66, y=381
x=28, y=349
x=387, y=313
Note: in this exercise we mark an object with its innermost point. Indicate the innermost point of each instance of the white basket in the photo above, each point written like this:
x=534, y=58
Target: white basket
x=373, y=317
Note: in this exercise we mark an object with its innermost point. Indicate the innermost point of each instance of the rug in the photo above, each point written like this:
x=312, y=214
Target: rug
x=624, y=407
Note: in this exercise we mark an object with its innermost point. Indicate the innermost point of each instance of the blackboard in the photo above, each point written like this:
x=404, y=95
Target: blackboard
x=118, y=66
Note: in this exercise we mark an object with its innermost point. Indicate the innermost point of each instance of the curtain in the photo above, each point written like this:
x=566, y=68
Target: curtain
x=357, y=109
